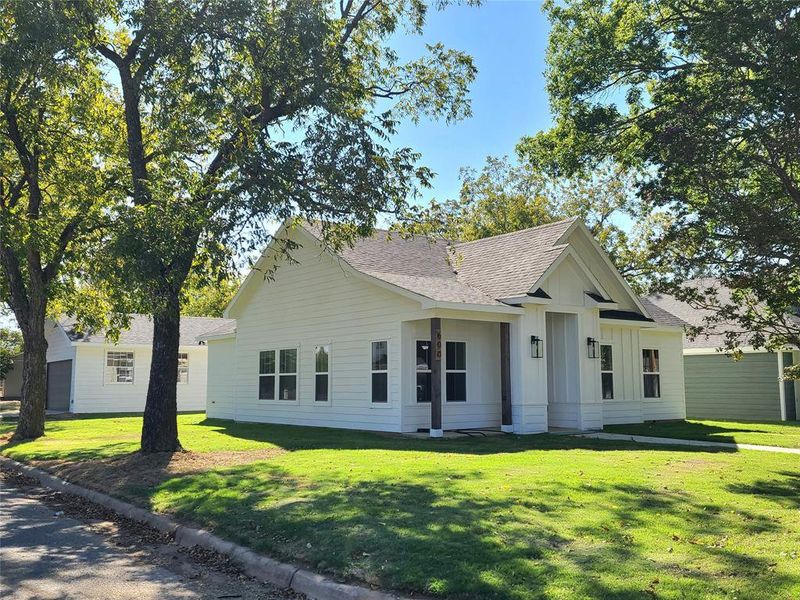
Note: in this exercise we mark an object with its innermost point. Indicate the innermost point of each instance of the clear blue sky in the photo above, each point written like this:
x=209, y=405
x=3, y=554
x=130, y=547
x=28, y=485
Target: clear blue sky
x=507, y=41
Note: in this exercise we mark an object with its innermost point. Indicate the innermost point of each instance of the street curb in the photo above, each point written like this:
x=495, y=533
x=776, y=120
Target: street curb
x=263, y=568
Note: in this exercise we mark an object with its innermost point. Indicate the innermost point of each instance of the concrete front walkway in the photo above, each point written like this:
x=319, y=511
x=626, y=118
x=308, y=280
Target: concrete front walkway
x=646, y=439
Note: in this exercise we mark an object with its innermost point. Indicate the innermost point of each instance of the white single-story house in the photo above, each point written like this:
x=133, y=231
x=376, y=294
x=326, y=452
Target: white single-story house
x=718, y=387
x=526, y=332
x=88, y=374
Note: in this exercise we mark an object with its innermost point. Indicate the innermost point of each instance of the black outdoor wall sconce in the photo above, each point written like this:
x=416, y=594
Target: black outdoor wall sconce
x=591, y=345
x=536, y=347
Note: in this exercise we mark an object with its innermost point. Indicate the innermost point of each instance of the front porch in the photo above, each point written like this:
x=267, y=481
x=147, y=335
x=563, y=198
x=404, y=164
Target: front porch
x=525, y=373
x=453, y=376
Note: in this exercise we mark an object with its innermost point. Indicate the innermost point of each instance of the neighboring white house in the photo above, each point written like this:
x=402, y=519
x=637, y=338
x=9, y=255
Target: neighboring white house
x=525, y=331
x=718, y=387
x=88, y=374
x=11, y=385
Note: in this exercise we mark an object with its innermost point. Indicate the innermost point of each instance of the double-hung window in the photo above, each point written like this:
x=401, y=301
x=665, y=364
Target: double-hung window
x=456, y=371
x=266, y=375
x=287, y=374
x=322, y=357
x=380, y=372
x=283, y=384
x=652, y=373
x=183, y=367
x=423, y=371
x=119, y=367
x=607, y=371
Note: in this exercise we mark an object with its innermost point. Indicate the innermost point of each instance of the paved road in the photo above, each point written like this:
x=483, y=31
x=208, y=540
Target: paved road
x=46, y=555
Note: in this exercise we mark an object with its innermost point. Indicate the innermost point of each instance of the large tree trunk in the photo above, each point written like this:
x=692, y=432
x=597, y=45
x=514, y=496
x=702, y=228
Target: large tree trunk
x=160, y=428
x=34, y=376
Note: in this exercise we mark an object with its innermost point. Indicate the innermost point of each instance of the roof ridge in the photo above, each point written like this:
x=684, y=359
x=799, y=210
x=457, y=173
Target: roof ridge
x=508, y=233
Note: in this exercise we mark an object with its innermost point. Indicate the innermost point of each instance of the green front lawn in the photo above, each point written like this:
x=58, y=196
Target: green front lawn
x=498, y=517
x=786, y=434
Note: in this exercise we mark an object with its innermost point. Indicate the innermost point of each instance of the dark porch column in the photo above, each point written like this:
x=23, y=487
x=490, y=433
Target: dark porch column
x=505, y=376
x=436, y=377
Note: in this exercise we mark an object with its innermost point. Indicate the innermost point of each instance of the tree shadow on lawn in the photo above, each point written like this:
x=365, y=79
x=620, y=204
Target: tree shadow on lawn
x=293, y=437
x=785, y=492
x=446, y=540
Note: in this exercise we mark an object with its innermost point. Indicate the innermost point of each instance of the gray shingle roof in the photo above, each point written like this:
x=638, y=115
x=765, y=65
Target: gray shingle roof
x=479, y=272
x=141, y=330
x=661, y=316
x=712, y=337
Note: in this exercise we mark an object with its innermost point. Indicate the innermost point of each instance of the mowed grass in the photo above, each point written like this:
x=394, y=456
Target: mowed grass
x=516, y=517
x=786, y=434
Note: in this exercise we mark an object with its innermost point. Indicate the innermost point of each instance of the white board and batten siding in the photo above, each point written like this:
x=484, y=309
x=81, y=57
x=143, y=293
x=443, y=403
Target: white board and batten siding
x=629, y=404
x=316, y=302
x=571, y=321
x=94, y=393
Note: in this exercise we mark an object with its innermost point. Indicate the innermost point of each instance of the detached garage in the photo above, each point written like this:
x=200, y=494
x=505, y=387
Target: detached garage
x=59, y=384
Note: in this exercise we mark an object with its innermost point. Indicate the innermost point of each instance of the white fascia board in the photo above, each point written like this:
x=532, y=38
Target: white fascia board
x=526, y=300
x=631, y=324
x=491, y=308
x=217, y=336
x=123, y=346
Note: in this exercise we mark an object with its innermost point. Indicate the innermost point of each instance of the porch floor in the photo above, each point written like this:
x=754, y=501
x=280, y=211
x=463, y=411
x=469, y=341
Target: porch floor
x=569, y=430
x=458, y=433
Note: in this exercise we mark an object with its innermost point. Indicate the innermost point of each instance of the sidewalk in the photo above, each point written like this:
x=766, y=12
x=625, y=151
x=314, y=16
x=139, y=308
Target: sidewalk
x=646, y=439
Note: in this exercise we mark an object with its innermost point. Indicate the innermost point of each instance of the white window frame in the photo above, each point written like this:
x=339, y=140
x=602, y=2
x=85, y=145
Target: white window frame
x=658, y=373
x=372, y=371
x=274, y=376
x=295, y=374
x=327, y=373
x=446, y=371
x=611, y=372
x=418, y=370
x=114, y=381
x=277, y=375
x=183, y=368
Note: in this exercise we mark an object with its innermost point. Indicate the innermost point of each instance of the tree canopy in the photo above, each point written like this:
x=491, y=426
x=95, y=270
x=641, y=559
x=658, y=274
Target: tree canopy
x=58, y=173
x=703, y=98
x=240, y=112
x=503, y=197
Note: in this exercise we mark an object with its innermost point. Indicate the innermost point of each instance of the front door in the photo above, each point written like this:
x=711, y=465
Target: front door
x=59, y=380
